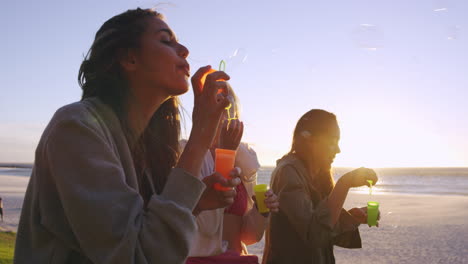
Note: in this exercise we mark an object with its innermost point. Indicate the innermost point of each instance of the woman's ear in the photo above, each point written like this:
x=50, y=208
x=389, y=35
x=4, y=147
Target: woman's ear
x=128, y=60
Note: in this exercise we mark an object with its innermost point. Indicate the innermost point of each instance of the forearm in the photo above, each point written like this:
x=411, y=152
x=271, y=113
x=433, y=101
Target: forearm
x=336, y=200
x=253, y=226
x=192, y=157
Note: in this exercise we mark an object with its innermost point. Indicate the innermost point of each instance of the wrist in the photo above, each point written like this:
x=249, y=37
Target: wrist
x=343, y=182
x=191, y=158
x=202, y=138
x=195, y=146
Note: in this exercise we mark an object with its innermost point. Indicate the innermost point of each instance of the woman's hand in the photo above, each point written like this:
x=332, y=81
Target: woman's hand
x=209, y=104
x=212, y=198
x=231, y=134
x=360, y=214
x=271, y=202
x=359, y=177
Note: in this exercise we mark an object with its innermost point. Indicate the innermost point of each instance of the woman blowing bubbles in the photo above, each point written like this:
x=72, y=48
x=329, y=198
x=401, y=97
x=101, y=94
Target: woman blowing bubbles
x=311, y=219
x=108, y=184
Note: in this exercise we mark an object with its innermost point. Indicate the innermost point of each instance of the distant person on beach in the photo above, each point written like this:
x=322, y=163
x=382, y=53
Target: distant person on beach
x=1, y=208
x=109, y=184
x=311, y=219
x=223, y=234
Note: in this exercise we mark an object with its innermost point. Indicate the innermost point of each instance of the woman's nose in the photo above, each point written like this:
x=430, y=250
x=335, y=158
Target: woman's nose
x=183, y=51
x=338, y=150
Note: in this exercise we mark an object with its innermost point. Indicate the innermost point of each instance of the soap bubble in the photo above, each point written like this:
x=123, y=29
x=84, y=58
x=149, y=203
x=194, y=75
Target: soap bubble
x=441, y=6
x=229, y=63
x=368, y=37
x=389, y=221
x=236, y=59
x=196, y=62
x=453, y=32
x=275, y=51
x=443, y=9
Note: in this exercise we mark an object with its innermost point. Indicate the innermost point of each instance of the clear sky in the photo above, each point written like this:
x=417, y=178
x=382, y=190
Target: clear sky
x=394, y=71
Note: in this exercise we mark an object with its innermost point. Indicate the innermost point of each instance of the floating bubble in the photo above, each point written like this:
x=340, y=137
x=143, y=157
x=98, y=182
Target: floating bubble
x=441, y=6
x=368, y=37
x=453, y=32
x=200, y=61
x=389, y=221
x=275, y=51
x=236, y=59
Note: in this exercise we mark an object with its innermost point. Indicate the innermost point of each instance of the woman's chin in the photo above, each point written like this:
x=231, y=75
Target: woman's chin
x=327, y=165
x=180, y=89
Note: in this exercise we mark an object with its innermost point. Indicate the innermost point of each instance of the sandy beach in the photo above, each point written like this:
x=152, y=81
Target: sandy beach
x=414, y=228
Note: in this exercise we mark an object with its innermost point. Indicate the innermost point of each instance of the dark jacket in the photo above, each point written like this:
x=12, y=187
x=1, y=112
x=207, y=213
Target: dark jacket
x=302, y=231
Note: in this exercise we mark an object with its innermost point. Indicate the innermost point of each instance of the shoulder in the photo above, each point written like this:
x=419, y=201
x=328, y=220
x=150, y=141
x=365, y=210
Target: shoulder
x=79, y=112
x=247, y=161
x=91, y=113
x=245, y=151
x=86, y=111
x=89, y=117
x=289, y=170
x=285, y=173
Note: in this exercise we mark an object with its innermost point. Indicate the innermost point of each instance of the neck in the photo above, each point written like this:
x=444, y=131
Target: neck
x=140, y=111
x=310, y=163
x=312, y=168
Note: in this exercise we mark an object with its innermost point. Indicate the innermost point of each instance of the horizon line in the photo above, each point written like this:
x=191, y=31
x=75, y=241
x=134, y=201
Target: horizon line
x=31, y=164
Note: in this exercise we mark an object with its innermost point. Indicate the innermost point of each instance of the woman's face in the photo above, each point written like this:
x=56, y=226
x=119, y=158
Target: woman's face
x=325, y=147
x=160, y=61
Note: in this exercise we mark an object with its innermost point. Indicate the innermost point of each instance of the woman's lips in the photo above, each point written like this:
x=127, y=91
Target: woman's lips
x=185, y=68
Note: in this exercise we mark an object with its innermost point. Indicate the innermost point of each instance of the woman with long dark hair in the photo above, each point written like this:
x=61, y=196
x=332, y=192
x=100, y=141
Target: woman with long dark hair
x=311, y=219
x=109, y=184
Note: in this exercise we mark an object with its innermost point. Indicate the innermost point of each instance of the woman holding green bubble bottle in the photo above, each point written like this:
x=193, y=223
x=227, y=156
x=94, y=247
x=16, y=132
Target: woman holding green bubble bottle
x=311, y=219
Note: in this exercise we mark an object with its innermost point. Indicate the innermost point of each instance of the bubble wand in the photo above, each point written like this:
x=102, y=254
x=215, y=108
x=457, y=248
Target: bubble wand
x=370, y=186
x=222, y=67
x=372, y=208
x=224, y=158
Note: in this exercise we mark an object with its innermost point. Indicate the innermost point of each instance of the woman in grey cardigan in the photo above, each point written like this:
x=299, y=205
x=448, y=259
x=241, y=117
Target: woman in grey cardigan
x=311, y=219
x=108, y=184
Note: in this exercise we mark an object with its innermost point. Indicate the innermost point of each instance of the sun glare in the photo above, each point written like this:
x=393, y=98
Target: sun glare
x=376, y=141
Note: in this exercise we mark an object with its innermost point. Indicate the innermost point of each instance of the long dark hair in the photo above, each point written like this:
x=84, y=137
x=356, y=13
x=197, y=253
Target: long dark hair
x=316, y=122
x=100, y=75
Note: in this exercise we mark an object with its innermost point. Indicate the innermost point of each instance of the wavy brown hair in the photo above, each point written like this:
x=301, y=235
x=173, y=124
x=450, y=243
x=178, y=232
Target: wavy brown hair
x=100, y=75
x=316, y=122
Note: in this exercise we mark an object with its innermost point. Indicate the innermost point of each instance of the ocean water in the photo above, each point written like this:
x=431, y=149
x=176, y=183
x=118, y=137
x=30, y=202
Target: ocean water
x=13, y=181
x=431, y=181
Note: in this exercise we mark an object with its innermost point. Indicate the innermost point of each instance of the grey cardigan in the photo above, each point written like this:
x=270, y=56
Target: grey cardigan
x=82, y=203
x=302, y=231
